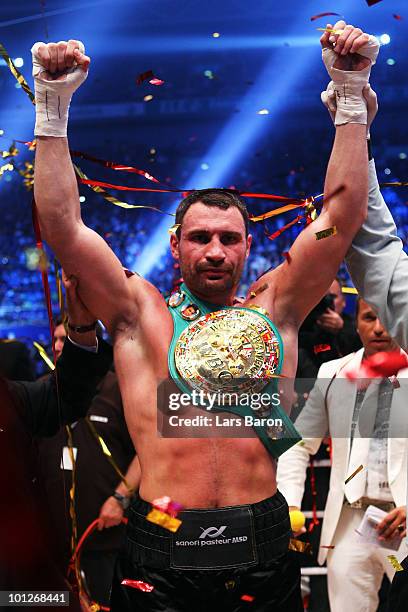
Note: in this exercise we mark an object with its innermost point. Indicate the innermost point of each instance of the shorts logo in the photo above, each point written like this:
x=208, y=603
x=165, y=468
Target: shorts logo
x=212, y=532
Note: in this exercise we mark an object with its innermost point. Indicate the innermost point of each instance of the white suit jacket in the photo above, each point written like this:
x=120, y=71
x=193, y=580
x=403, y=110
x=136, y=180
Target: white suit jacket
x=320, y=418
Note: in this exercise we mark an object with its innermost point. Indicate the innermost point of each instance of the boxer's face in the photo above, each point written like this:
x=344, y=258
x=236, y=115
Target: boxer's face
x=212, y=249
x=373, y=335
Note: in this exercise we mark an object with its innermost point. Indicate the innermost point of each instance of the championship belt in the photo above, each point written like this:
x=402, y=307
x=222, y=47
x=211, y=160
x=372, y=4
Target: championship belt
x=230, y=352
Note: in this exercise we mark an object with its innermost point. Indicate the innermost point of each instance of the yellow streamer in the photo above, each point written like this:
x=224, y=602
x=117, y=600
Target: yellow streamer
x=16, y=73
x=43, y=355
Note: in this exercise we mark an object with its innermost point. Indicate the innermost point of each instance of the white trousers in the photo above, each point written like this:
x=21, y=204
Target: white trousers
x=355, y=570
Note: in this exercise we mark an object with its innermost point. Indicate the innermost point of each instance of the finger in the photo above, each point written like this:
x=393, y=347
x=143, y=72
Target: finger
x=43, y=56
x=359, y=42
x=392, y=528
x=325, y=38
x=52, y=48
x=339, y=26
x=82, y=60
x=69, y=54
x=341, y=40
x=356, y=33
x=61, y=48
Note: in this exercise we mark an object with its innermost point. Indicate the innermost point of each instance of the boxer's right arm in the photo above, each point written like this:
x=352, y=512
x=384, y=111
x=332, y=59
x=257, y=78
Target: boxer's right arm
x=102, y=284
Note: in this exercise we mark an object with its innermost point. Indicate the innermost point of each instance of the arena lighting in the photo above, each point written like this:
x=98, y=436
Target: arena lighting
x=271, y=88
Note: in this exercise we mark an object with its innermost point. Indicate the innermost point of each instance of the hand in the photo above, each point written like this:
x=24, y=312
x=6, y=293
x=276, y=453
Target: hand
x=55, y=60
x=349, y=70
x=349, y=48
x=392, y=523
x=328, y=98
x=78, y=313
x=111, y=514
x=331, y=321
x=301, y=531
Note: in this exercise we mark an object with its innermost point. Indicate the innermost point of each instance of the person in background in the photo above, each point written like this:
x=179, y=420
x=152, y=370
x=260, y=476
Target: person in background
x=30, y=410
x=335, y=406
x=100, y=491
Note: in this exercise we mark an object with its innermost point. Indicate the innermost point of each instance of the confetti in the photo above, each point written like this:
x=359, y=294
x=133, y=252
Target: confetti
x=173, y=229
x=287, y=256
x=323, y=15
x=360, y=467
x=164, y=520
x=167, y=505
x=148, y=98
x=258, y=291
x=380, y=365
x=337, y=32
x=372, y=2
x=321, y=348
x=395, y=563
x=138, y=584
x=299, y=546
x=397, y=17
x=156, y=81
x=329, y=547
x=248, y=598
x=229, y=585
x=350, y=290
x=330, y=231
x=144, y=76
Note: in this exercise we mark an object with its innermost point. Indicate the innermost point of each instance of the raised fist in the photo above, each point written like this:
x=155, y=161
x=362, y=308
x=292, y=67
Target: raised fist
x=53, y=61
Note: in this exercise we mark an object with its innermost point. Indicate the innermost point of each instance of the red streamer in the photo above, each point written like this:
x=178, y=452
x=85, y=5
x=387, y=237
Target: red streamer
x=315, y=520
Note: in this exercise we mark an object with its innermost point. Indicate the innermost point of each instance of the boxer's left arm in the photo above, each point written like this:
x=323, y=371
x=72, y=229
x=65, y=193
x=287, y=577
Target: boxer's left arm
x=300, y=282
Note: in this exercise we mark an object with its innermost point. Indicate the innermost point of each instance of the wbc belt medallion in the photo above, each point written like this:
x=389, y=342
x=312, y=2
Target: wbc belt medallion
x=228, y=351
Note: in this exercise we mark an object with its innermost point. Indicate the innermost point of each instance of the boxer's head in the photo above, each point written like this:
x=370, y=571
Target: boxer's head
x=60, y=335
x=212, y=243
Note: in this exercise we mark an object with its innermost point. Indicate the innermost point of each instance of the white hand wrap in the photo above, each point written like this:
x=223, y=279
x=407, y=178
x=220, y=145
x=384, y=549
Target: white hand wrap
x=349, y=85
x=53, y=98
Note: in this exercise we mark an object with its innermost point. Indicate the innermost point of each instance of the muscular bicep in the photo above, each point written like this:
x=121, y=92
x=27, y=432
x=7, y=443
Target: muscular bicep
x=302, y=280
x=102, y=283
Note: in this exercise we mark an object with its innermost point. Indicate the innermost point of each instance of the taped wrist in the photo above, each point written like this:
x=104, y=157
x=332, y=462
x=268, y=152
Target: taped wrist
x=53, y=98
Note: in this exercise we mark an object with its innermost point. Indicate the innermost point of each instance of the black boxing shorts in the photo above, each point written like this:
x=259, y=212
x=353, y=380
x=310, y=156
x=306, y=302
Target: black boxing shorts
x=230, y=559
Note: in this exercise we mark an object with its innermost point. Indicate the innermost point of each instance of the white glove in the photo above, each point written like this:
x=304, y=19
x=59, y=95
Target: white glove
x=53, y=98
x=348, y=85
x=329, y=99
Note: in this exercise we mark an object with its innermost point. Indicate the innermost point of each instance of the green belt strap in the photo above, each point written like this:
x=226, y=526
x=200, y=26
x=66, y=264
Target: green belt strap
x=275, y=447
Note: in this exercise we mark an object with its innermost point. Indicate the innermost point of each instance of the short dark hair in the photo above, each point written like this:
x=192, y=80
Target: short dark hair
x=222, y=198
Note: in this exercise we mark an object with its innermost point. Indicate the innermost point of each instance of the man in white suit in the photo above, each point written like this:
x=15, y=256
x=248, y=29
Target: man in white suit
x=336, y=407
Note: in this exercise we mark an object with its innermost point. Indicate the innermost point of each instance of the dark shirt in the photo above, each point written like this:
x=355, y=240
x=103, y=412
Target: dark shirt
x=96, y=479
x=28, y=410
x=15, y=361
x=317, y=346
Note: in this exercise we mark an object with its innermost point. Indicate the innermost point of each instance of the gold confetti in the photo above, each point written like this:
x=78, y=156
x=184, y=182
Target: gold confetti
x=258, y=291
x=395, y=563
x=360, y=467
x=350, y=290
x=173, y=229
x=299, y=546
x=164, y=520
x=330, y=231
x=44, y=356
